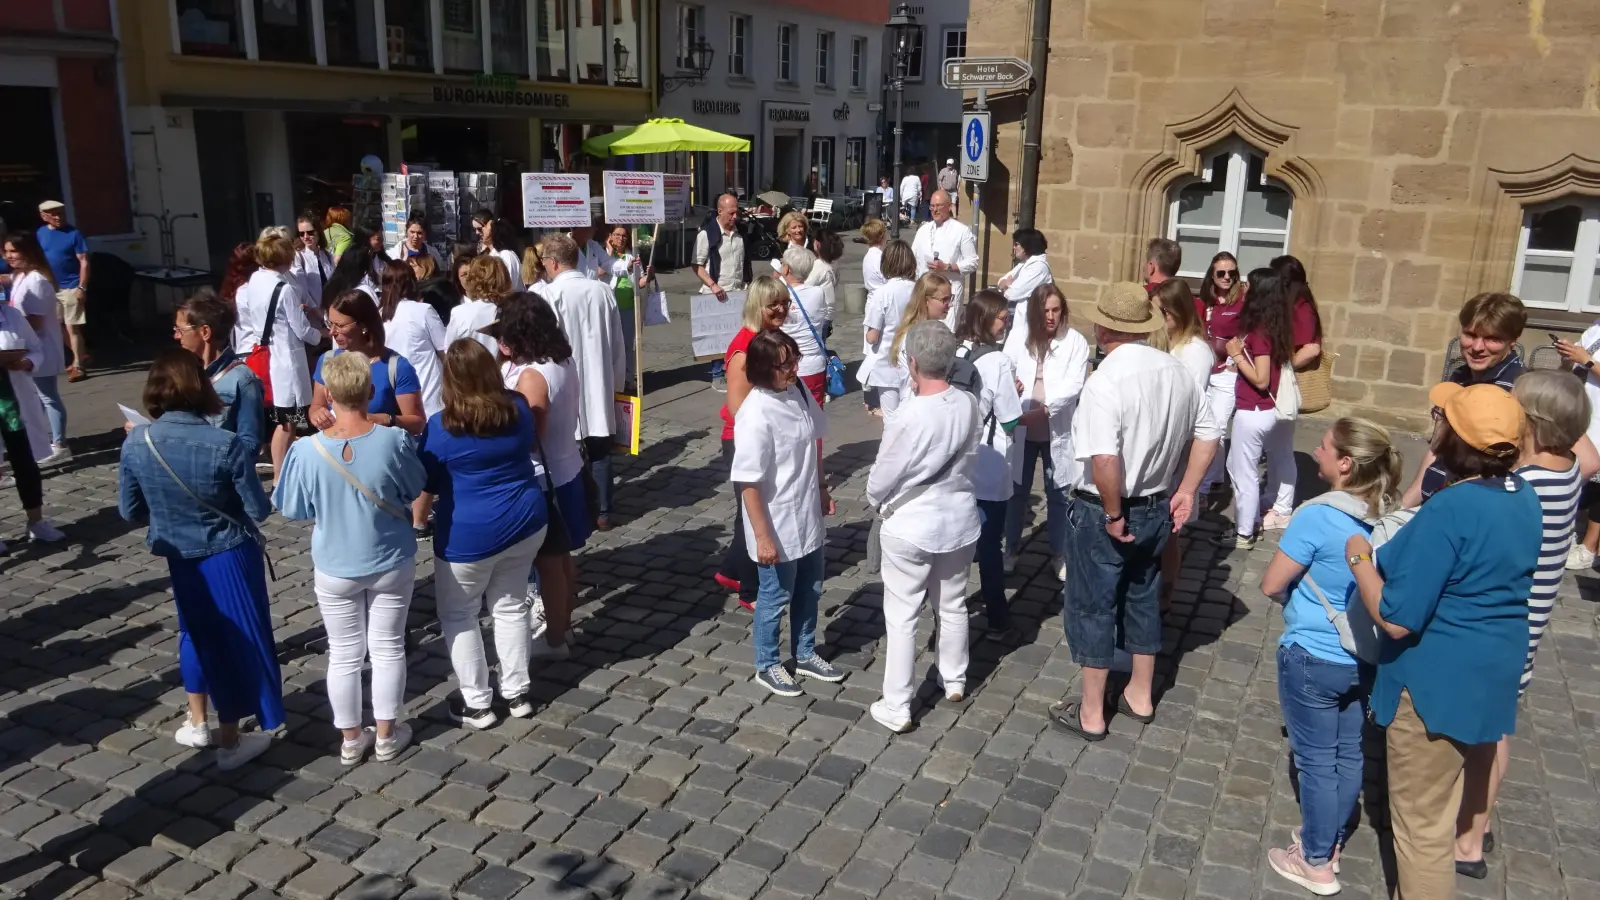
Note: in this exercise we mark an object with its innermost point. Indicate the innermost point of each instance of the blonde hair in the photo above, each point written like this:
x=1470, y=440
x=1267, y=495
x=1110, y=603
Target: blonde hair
x=1375, y=464
x=873, y=231
x=276, y=231
x=347, y=377
x=273, y=249
x=532, y=266
x=916, y=310
x=1557, y=408
x=789, y=218
x=486, y=278
x=898, y=261
x=763, y=292
x=424, y=266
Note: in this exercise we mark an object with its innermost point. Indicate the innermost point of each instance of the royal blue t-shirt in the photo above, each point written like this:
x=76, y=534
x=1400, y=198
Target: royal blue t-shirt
x=488, y=494
x=1315, y=539
x=383, y=396
x=61, y=248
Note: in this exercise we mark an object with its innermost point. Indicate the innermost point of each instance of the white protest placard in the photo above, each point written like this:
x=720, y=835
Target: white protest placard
x=552, y=200
x=676, y=188
x=713, y=324
x=633, y=198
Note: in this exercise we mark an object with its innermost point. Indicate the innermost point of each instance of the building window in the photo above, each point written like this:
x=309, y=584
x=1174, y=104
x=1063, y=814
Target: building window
x=1558, y=258
x=738, y=39
x=855, y=163
x=625, y=57
x=550, y=41
x=736, y=170
x=463, y=36
x=589, y=50
x=917, y=36
x=508, y=36
x=786, y=53
x=691, y=31
x=410, y=35
x=822, y=161
x=955, y=43
x=208, y=28
x=1233, y=206
x=349, y=29
x=858, y=64
x=283, y=31
x=825, y=59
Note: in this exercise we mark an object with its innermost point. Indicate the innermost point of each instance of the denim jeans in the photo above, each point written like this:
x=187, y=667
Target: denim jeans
x=1113, y=588
x=598, y=450
x=991, y=563
x=50, y=393
x=796, y=585
x=1323, y=710
x=1055, y=500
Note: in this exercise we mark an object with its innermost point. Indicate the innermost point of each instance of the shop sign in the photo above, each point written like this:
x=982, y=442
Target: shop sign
x=842, y=113
x=499, y=90
x=716, y=107
x=789, y=113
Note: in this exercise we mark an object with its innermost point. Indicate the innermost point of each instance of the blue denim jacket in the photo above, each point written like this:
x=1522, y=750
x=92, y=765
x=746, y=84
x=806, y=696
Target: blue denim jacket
x=216, y=465
x=242, y=398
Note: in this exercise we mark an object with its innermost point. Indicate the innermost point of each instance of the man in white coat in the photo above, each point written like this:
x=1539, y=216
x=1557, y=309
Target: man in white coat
x=911, y=194
x=946, y=246
x=587, y=311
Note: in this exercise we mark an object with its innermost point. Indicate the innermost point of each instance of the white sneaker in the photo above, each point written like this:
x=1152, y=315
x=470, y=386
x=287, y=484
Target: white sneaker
x=954, y=694
x=536, y=620
x=263, y=468
x=880, y=714
x=543, y=649
x=1274, y=521
x=44, y=532
x=389, y=748
x=1008, y=564
x=1580, y=558
x=1061, y=570
x=58, y=455
x=190, y=734
x=352, y=752
x=249, y=747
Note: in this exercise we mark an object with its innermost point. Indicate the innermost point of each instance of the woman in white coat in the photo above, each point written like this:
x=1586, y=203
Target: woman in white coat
x=1028, y=247
x=313, y=265
x=1051, y=367
x=496, y=238
x=485, y=282
x=414, y=330
x=24, y=430
x=885, y=307
x=272, y=313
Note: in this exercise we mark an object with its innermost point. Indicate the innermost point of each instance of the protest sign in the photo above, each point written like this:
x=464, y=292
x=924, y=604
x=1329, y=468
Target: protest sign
x=555, y=200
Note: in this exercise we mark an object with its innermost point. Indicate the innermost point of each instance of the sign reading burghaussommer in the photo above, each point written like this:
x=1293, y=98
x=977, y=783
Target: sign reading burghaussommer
x=992, y=73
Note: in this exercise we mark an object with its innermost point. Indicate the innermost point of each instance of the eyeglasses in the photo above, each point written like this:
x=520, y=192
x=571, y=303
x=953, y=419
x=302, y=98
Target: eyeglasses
x=1438, y=414
x=342, y=327
x=178, y=330
x=1229, y=274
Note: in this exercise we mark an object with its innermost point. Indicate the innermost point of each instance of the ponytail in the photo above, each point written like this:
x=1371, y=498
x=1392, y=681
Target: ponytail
x=1376, y=465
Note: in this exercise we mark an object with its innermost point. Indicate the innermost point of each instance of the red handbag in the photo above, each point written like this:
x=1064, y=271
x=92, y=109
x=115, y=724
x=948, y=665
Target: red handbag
x=259, y=360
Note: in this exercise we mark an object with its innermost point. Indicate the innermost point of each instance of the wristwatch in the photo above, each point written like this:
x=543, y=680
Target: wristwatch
x=1110, y=518
x=1358, y=557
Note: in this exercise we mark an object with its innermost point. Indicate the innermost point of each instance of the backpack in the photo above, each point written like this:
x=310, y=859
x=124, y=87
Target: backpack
x=964, y=374
x=1359, y=635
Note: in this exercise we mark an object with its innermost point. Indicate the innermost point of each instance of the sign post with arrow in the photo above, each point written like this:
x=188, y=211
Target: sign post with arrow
x=993, y=73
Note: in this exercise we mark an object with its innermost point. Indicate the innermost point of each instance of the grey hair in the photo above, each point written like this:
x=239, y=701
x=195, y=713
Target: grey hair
x=933, y=348
x=1557, y=408
x=799, y=260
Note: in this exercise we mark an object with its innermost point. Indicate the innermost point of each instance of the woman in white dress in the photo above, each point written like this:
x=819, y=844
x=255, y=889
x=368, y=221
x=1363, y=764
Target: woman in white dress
x=885, y=307
x=272, y=313
x=828, y=248
x=24, y=431
x=496, y=238
x=1028, y=247
x=485, y=283
x=1186, y=339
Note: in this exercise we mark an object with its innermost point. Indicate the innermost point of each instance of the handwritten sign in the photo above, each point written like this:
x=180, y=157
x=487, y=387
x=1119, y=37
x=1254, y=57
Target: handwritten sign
x=712, y=325
x=555, y=200
x=634, y=198
x=677, y=196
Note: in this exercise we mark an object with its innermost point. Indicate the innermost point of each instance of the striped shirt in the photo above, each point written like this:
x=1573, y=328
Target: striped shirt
x=1558, y=499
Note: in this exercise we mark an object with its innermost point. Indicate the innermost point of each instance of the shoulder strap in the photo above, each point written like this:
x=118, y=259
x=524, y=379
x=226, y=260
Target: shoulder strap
x=392, y=363
x=1327, y=607
x=226, y=369
x=355, y=482
x=248, y=527
x=272, y=315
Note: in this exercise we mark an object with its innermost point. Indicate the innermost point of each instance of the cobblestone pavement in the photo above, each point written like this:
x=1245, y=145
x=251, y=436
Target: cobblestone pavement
x=654, y=768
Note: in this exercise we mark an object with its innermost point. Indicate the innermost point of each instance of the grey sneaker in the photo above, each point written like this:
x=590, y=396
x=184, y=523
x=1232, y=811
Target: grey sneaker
x=353, y=752
x=816, y=667
x=778, y=681
x=719, y=383
x=388, y=749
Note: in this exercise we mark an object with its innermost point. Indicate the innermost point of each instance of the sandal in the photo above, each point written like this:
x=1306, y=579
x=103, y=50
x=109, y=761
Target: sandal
x=1123, y=709
x=1065, y=716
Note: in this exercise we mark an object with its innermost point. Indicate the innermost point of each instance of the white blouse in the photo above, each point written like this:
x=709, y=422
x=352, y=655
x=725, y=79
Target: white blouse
x=465, y=320
x=813, y=359
x=1066, y=365
x=32, y=295
x=872, y=269
x=884, y=309
x=774, y=449
x=923, y=436
x=822, y=276
x=1025, y=276
x=558, y=437
x=991, y=475
x=417, y=333
x=291, y=331
x=1197, y=360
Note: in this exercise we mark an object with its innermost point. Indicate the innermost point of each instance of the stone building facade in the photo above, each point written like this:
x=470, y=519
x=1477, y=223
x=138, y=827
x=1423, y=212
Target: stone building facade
x=1412, y=153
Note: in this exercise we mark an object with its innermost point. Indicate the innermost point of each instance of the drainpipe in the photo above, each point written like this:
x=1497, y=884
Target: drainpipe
x=1038, y=57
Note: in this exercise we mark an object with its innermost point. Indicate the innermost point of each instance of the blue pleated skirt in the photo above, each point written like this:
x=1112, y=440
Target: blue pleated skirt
x=222, y=604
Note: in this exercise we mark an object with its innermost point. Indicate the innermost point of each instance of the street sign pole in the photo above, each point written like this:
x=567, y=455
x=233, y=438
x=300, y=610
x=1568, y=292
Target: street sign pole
x=982, y=105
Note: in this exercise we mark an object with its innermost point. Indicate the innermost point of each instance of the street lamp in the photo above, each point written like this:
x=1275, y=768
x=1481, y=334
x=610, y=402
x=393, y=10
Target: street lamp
x=697, y=62
x=619, y=56
x=902, y=29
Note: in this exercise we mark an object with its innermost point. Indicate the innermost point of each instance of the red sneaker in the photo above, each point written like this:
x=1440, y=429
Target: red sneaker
x=726, y=582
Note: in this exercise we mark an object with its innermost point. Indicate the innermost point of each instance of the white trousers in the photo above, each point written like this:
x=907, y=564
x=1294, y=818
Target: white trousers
x=1256, y=431
x=460, y=590
x=1219, y=395
x=910, y=576
x=366, y=617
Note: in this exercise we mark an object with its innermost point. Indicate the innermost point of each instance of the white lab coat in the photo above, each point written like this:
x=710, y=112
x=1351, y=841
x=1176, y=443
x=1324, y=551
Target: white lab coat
x=311, y=269
x=594, y=261
x=513, y=265
x=588, y=313
x=17, y=334
x=952, y=243
x=1025, y=276
x=291, y=332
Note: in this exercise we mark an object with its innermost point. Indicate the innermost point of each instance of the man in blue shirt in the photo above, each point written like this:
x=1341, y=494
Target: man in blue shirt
x=68, y=255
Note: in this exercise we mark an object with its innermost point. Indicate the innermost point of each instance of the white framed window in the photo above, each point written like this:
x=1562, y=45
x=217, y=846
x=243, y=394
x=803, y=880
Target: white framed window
x=786, y=53
x=738, y=41
x=824, y=59
x=691, y=30
x=1232, y=206
x=1558, y=256
x=858, y=64
x=955, y=43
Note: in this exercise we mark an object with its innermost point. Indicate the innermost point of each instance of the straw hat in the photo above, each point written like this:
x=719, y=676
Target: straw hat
x=1126, y=307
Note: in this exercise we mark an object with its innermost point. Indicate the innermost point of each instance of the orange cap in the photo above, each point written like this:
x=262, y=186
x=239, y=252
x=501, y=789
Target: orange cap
x=1487, y=417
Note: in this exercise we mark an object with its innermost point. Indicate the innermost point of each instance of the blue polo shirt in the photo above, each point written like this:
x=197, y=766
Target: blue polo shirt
x=1457, y=577
x=61, y=248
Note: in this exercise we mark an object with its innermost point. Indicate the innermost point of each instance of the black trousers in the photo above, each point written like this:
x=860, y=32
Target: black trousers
x=24, y=468
x=737, y=564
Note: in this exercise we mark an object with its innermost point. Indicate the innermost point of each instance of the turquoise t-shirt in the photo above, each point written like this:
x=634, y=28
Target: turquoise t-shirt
x=1457, y=577
x=1315, y=539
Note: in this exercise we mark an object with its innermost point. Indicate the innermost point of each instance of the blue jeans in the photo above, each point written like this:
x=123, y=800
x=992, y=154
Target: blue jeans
x=1113, y=588
x=50, y=393
x=598, y=450
x=718, y=370
x=1323, y=709
x=991, y=563
x=797, y=585
x=1055, y=500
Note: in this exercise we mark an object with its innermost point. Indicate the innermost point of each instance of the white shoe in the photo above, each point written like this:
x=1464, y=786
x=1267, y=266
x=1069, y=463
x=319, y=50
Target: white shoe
x=543, y=649
x=954, y=694
x=249, y=747
x=44, y=532
x=1580, y=558
x=536, y=620
x=352, y=752
x=58, y=454
x=1008, y=563
x=1274, y=521
x=1061, y=570
x=263, y=468
x=389, y=748
x=880, y=714
x=190, y=734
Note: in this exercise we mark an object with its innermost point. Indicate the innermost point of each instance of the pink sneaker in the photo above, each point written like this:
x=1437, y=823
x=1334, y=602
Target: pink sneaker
x=1274, y=521
x=1319, y=880
x=1294, y=840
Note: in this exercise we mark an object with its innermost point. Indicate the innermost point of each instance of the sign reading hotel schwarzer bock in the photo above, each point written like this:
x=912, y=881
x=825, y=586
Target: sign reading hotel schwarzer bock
x=991, y=73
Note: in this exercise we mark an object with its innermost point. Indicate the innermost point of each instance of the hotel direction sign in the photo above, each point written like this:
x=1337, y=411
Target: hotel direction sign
x=991, y=73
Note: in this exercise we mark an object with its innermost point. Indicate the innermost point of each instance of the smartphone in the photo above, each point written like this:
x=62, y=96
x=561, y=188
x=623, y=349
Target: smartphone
x=1554, y=338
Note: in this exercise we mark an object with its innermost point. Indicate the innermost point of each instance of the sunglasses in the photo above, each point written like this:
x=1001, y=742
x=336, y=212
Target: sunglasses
x=308, y=234
x=1226, y=273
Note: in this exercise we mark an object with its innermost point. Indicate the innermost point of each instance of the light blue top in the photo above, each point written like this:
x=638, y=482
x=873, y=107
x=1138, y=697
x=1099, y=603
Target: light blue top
x=352, y=537
x=1315, y=539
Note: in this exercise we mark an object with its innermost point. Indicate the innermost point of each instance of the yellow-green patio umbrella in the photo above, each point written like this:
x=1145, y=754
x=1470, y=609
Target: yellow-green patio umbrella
x=663, y=136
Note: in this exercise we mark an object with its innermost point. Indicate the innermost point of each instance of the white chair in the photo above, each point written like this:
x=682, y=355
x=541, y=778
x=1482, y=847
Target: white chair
x=821, y=211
